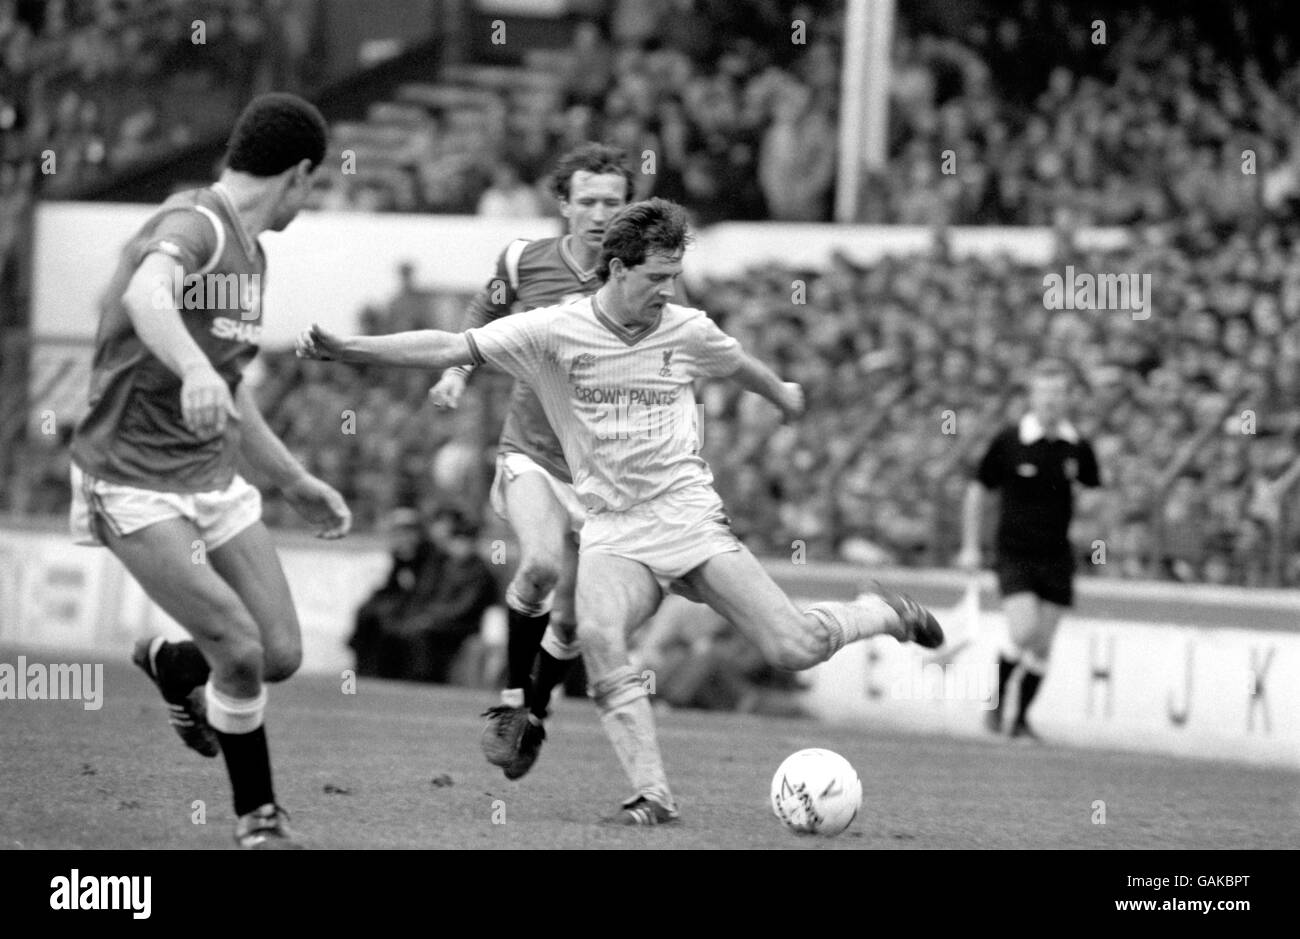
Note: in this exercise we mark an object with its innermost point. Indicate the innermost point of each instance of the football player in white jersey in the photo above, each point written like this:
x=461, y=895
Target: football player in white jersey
x=615, y=374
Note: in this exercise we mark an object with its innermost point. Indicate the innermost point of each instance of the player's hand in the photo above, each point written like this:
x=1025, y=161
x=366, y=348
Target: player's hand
x=319, y=343
x=969, y=560
x=792, y=402
x=446, y=394
x=206, y=403
x=319, y=503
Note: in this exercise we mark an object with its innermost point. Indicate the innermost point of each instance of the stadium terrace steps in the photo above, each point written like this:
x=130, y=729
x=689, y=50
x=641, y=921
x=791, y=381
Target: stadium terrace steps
x=445, y=97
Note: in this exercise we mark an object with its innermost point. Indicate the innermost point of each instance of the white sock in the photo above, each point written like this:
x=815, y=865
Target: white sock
x=230, y=715
x=865, y=617
x=630, y=726
x=631, y=729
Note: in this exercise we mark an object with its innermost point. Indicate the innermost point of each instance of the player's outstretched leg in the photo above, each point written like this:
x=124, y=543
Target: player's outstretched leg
x=613, y=595
x=180, y=671
x=919, y=624
x=736, y=585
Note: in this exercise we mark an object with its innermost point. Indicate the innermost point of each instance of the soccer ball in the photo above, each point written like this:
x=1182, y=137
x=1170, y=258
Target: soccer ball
x=816, y=792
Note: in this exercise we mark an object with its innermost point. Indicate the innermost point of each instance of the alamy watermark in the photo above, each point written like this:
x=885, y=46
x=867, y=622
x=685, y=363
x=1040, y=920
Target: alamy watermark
x=1076, y=291
x=88, y=892
x=35, y=681
x=948, y=681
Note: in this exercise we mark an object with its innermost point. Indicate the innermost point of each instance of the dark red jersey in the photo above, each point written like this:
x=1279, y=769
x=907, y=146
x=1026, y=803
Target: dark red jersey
x=133, y=433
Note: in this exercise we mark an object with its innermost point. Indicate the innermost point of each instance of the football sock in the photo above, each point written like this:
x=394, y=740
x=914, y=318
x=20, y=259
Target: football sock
x=550, y=672
x=554, y=660
x=180, y=668
x=629, y=724
x=521, y=647
x=239, y=728
x=1029, y=684
x=848, y=622
x=1005, y=667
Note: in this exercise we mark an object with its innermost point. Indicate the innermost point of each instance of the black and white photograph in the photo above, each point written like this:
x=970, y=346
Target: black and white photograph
x=668, y=425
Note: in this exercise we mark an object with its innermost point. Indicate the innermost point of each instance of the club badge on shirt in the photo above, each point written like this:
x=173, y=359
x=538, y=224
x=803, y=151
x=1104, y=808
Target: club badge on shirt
x=1027, y=470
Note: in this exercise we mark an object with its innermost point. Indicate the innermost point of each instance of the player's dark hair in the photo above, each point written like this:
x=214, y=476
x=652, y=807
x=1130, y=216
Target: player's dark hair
x=655, y=225
x=275, y=132
x=596, y=158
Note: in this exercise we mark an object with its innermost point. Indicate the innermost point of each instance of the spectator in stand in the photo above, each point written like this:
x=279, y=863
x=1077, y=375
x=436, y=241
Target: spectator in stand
x=449, y=609
x=380, y=651
x=796, y=166
x=436, y=597
x=508, y=197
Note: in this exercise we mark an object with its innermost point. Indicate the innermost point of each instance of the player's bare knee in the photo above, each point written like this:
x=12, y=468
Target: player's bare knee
x=282, y=660
x=219, y=622
x=239, y=660
x=565, y=628
x=537, y=577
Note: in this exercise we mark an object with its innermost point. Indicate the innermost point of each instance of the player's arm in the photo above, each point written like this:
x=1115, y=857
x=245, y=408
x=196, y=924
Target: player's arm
x=151, y=306
x=717, y=355
x=753, y=375
x=495, y=300
x=421, y=348
x=315, y=500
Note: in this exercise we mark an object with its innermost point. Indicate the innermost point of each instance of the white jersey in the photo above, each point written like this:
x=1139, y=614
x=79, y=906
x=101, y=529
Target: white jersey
x=622, y=401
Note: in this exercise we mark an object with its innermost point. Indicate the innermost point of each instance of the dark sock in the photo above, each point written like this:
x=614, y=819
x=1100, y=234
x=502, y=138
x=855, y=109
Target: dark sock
x=181, y=668
x=1028, y=688
x=550, y=672
x=248, y=761
x=521, y=648
x=1005, y=667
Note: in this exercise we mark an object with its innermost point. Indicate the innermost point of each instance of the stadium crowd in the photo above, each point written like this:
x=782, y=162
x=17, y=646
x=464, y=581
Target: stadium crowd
x=1193, y=410
x=1045, y=124
x=107, y=85
x=1049, y=126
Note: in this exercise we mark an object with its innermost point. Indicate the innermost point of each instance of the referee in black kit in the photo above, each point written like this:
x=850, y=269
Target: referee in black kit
x=1034, y=465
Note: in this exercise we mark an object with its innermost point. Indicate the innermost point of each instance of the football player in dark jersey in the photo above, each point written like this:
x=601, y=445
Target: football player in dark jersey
x=154, y=458
x=533, y=489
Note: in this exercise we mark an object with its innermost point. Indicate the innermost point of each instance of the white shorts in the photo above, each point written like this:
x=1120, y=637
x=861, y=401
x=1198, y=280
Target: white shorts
x=511, y=466
x=671, y=535
x=219, y=515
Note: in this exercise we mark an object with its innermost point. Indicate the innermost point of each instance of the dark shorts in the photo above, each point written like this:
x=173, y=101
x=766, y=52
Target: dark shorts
x=1050, y=579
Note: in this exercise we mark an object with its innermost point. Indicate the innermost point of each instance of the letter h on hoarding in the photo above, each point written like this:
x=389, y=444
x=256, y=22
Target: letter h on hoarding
x=1100, y=671
x=1258, y=672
